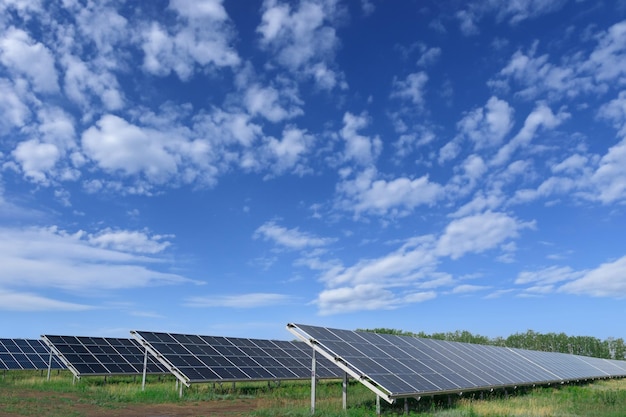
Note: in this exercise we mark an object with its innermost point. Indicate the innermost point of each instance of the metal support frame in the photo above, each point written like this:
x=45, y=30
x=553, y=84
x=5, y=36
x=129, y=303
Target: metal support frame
x=313, y=381
x=341, y=363
x=344, y=388
x=61, y=358
x=145, y=370
x=179, y=375
x=49, y=365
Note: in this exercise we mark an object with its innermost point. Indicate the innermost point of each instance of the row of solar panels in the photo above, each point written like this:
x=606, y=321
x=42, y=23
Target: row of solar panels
x=399, y=366
x=193, y=358
x=391, y=366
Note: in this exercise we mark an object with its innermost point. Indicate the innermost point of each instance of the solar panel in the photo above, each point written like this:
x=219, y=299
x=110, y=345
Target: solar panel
x=401, y=366
x=22, y=354
x=195, y=358
x=101, y=355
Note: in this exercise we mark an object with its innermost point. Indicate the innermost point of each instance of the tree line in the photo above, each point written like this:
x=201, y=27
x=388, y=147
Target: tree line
x=610, y=348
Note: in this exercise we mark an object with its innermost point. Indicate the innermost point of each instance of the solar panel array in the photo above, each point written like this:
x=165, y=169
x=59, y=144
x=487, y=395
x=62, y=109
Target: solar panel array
x=195, y=358
x=401, y=366
x=102, y=355
x=22, y=354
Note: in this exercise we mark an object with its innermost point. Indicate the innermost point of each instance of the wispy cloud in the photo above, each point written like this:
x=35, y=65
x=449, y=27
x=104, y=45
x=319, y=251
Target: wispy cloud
x=251, y=300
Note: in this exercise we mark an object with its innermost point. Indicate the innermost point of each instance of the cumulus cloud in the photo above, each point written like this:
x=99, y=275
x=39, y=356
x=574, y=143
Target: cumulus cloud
x=487, y=126
x=286, y=153
x=14, y=111
x=541, y=117
x=266, y=101
x=18, y=51
x=36, y=158
x=369, y=194
x=116, y=145
x=478, y=233
x=203, y=40
x=411, y=88
x=302, y=38
x=289, y=238
x=361, y=149
x=396, y=275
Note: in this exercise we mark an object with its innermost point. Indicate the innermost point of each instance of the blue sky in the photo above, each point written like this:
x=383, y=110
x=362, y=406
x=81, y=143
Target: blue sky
x=227, y=167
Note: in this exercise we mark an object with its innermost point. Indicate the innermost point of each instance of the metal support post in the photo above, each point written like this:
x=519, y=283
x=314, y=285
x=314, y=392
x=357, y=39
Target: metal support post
x=49, y=365
x=377, y=405
x=345, y=391
x=313, y=382
x=406, y=406
x=145, y=367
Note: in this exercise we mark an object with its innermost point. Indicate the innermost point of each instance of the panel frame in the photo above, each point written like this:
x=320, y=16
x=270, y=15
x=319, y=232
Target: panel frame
x=95, y=351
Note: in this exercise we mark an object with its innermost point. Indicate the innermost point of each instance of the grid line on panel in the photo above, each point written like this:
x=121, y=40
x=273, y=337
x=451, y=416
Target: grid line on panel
x=24, y=354
x=400, y=366
x=101, y=355
x=199, y=358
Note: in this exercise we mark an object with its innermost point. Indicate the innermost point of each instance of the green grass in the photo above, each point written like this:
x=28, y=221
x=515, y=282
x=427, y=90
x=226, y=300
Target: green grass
x=30, y=394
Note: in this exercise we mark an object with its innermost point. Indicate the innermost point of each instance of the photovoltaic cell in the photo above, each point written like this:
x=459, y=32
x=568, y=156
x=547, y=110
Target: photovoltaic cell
x=196, y=358
x=102, y=355
x=401, y=366
x=22, y=354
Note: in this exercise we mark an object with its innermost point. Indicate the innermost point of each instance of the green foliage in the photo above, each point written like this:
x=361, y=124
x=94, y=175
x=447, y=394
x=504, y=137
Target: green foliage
x=29, y=394
x=610, y=348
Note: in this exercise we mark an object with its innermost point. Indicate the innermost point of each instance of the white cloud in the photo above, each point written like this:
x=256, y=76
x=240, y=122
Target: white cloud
x=358, y=298
x=82, y=80
x=286, y=153
x=397, y=197
x=468, y=288
x=252, y=300
x=37, y=258
x=266, y=101
x=36, y=158
x=412, y=88
x=428, y=56
x=610, y=177
x=576, y=74
x=607, y=280
x=129, y=241
x=478, y=233
x=541, y=117
x=25, y=301
x=203, y=39
x=18, y=52
x=14, y=112
x=116, y=145
x=399, y=267
x=487, y=126
x=289, y=238
x=359, y=148
x=608, y=61
x=512, y=11
x=546, y=276
x=302, y=37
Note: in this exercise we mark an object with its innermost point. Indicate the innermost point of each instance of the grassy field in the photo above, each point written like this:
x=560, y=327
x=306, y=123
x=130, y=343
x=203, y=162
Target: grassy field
x=30, y=394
